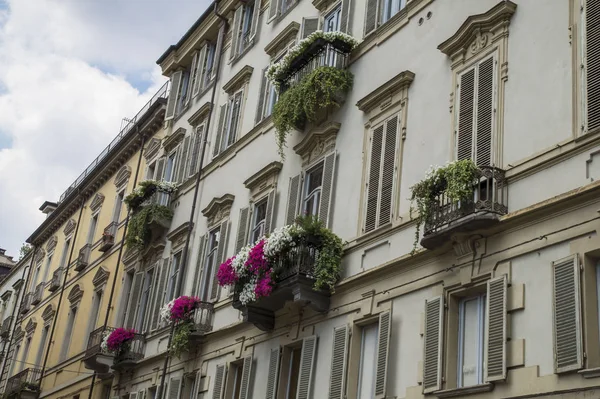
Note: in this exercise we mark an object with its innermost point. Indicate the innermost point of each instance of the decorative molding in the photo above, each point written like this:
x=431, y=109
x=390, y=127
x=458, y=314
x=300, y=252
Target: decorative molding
x=177, y=236
x=39, y=256
x=51, y=243
x=48, y=314
x=6, y=295
x=18, y=333
x=122, y=176
x=261, y=179
x=464, y=391
x=172, y=140
x=151, y=149
x=130, y=256
x=218, y=209
x=318, y=142
x=400, y=82
x=101, y=276
x=30, y=326
x=97, y=202
x=199, y=115
x=282, y=38
x=75, y=294
x=69, y=227
x=18, y=284
x=238, y=79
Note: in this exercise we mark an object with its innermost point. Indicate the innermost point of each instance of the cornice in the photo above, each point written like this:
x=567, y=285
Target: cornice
x=6, y=295
x=199, y=115
x=178, y=235
x=173, y=139
x=100, y=277
x=218, y=209
x=96, y=202
x=238, y=79
x=262, y=175
x=282, y=37
x=75, y=294
x=321, y=133
x=152, y=148
x=399, y=82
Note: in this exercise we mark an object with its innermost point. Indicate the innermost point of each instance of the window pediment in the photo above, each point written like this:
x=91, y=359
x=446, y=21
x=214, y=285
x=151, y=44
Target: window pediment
x=18, y=334
x=75, y=294
x=218, y=209
x=174, y=139
x=130, y=256
x=101, y=277
x=383, y=95
x=152, y=149
x=177, y=236
x=39, y=256
x=282, y=39
x=97, y=202
x=51, y=243
x=122, y=176
x=48, y=313
x=238, y=80
x=30, y=326
x=18, y=284
x=318, y=142
x=264, y=179
x=69, y=227
x=6, y=295
x=199, y=115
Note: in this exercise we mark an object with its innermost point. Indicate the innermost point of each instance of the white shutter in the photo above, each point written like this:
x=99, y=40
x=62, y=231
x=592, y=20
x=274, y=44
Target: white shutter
x=307, y=361
x=372, y=188
x=200, y=59
x=255, y=18
x=466, y=115
x=485, y=111
x=174, y=388
x=200, y=264
x=346, y=17
x=134, y=296
x=260, y=109
x=495, y=326
x=219, y=387
x=273, y=374
x=220, y=130
x=433, y=336
x=242, y=233
x=383, y=349
x=273, y=10
x=245, y=385
x=339, y=358
x=270, y=212
x=194, y=152
x=221, y=253
x=388, y=172
x=371, y=20
x=158, y=293
x=592, y=65
x=326, y=205
x=182, y=160
x=309, y=26
x=236, y=31
x=133, y=395
x=294, y=193
x=173, y=95
x=568, y=354
x=160, y=169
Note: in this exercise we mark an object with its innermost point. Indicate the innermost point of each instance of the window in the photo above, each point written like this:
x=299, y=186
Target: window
x=37, y=271
x=229, y=122
x=368, y=358
x=170, y=167
x=471, y=317
x=183, y=96
x=278, y=8
x=26, y=348
x=118, y=206
x=68, y=333
x=236, y=373
x=210, y=264
x=14, y=361
x=331, y=21
x=42, y=347
x=208, y=73
x=380, y=11
x=171, y=292
x=92, y=230
x=590, y=62
x=151, y=171
x=259, y=216
x=389, y=8
x=127, y=284
x=312, y=191
x=93, y=320
x=245, y=28
x=293, y=368
x=195, y=150
x=142, y=324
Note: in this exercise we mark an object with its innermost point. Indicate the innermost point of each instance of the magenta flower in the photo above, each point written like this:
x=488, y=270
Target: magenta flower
x=264, y=286
x=226, y=274
x=118, y=338
x=257, y=262
x=183, y=307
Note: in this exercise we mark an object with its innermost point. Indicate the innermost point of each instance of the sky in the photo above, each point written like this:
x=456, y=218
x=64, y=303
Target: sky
x=70, y=71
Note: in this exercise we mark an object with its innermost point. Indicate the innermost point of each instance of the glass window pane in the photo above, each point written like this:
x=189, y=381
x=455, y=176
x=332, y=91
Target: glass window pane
x=368, y=357
x=471, y=341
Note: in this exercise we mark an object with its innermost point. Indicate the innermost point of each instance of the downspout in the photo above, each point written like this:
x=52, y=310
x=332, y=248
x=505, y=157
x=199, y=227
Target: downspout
x=114, y=283
x=16, y=308
x=62, y=289
x=184, y=255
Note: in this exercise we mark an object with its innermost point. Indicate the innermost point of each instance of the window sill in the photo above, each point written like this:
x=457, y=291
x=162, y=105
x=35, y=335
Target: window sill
x=590, y=373
x=285, y=14
x=459, y=392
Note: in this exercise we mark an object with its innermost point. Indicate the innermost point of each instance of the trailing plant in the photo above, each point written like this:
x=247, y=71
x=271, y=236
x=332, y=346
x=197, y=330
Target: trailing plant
x=145, y=190
x=139, y=233
x=318, y=90
x=181, y=338
x=455, y=180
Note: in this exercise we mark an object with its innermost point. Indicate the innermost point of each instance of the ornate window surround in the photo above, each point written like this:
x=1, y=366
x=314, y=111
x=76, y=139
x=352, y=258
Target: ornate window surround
x=263, y=182
x=30, y=327
x=69, y=227
x=75, y=295
x=100, y=278
x=317, y=143
x=178, y=236
x=96, y=204
x=48, y=314
x=122, y=177
x=152, y=149
x=218, y=210
x=51, y=244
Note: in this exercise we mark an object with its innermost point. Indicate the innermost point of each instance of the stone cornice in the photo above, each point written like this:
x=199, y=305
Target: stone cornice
x=178, y=235
x=218, y=209
x=238, y=79
x=96, y=202
x=282, y=38
x=199, y=115
x=172, y=140
x=151, y=149
x=75, y=294
x=122, y=176
x=262, y=175
x=101, y=276
x=401, y=81
x=6, y=295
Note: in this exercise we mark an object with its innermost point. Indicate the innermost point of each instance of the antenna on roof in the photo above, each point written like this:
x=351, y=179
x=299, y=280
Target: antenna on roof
x=125, y=122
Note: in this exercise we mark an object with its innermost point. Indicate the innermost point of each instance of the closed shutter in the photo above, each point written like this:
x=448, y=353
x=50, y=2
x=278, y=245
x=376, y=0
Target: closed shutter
x=309, y=26
x=236, y=31
x=158, y=293
x=245, y=387
x=236, y=110
x=466, y=89
x=193, y=76
x=220, y=130
x=371, y=16
x=219, y=387
x=293, y=199
x=270, y=212
x=485, y=111
x=273, y=375
x=133, y=395
x=260, y=109
x=196, y=385
x=567, y=315
x=152, y=296
x=182, y=162
x=326, y=205
x=346, y=19
x=199, y=71
x=174, y=388
x=200, y=263
x=141, y=394
x=373, y=180
x=194, y=156
x=134, y=297
x=339, y=356
x=432, y=359
x=592, y=64
x=273, y=10
x=307, y=361
x=496, y=329
x=388, y=172
x=173, y=94
x=383, y=350
x=221, y=253
x=255, y=20
x=160, y=169
x=242, y=233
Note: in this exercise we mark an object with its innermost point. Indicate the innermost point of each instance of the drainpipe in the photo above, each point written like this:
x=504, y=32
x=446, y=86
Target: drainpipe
x=184, y=255
x=112, y=289
x=16, y=309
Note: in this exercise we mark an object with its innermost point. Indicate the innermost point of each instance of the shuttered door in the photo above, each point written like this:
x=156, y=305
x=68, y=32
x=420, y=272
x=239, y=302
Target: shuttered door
x=221, y=253
x=198, y=72
x=246, y=378
x=307, y=360
x=235, y=34
x=260, y=109
x=193, y=77
x=273, y=374
x=346, y=16
x=326, y=205
x=383, y=349
x=496, y=329
x=220, y=129
x=567, y=315
x=592, y=63
x=219, y=386
x=174, y=388
x=136, y=288
x=183, y=157
x=160, y=169
x=309, y=26
x=270, y=212
x=373, y=181
x=200, y=264
x=339, y=356
x=485, y=112
x=242, y=233
x=432, y=359
x=159, y=293
x=172, y=101
x=371, y=16
x=195, y=151
x=464, y=145
x=293, y=199
x=388, y=171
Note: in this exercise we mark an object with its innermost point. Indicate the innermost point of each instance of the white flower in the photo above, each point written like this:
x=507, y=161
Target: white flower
x=165, y=312
x=248, y=295
x=240, y=259
x=104, y=343
x=279, y=239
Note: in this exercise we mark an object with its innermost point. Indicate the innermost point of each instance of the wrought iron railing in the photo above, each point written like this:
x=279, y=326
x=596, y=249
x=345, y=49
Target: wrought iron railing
x=299, y=260
x=56, y=280
x=94, y=345
x=108, y=236
x=5, y=330
x=203, y=317
x=26, y=380
x=38, y=294
x=134, y=350
x=490, y=195
x=84, y=257
x=26, y=305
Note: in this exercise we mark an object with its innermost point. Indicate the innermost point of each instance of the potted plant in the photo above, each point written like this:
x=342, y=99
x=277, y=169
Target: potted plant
x=181, y=312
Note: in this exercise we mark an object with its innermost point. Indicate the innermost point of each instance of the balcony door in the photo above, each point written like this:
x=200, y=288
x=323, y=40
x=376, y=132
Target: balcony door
x=331, y=23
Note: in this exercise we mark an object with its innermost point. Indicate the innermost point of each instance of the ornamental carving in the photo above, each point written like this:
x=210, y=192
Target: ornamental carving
x=31, y=325
x=480, y=42
x=75, y=294
x=122, y=176
x=101, y=277
x=48, y=314
x=317, y=143
x=152, y=149
x=97, y=202
x=218, y=209
x=69, y=227
x=178, y=236
x=51, y=243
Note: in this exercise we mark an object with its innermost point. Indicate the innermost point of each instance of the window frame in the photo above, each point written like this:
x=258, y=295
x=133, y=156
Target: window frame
x=214, y=237
x=372, y=324
x=481, y=303
x=256, y=224
x=230, y=135
x=317, y=191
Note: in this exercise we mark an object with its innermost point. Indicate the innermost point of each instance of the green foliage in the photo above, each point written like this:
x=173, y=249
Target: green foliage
x=181, y=338
x=300, y=103
x=24, y=250
x=455, y=180
x=138, y=232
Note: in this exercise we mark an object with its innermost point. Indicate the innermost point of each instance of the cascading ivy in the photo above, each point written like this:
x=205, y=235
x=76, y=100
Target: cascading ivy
x=138, y=232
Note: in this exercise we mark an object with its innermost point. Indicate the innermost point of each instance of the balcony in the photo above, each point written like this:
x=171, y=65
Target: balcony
x=38, y=294
x=95, y=358
x=449, y=218
x=294, y=283
x=134, y=352
x=26, y=305
x=203, y=319
x=56, y=281
x=84, y=257
x=108, y=237
x=150, y=216
x=5, y=330
x=24, y=384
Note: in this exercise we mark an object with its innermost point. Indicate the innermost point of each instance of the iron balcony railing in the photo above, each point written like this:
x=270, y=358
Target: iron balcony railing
x=108, y=237
x=26, y=305
x=84, y=257
x=94, y=346
x=5, y=330
x=26, y=380
x=134, y=350
x=56, y=280
x=163, y=92
x=203, y=317
x=300, y=260
x=490, y=196
x=38, y=294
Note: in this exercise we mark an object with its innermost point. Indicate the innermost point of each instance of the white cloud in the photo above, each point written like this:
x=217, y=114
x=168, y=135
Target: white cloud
x=58, y=104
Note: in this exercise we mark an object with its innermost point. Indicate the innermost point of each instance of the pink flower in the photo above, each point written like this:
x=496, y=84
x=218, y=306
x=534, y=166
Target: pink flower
x=226, y=274
x=183, y=307
x=263, y=286
x=257, y=262
x=118, y=337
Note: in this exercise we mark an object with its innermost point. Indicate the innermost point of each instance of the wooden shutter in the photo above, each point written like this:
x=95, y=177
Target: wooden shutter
x=432, y=359
x=294, y=191
x=236, y=31
x=133, y=395
x=200, y=263
x=270, y=212
x=373, y=180
x=134, y=296
x=383, y=349
x=194, y=154
x=466, y=106
x=273, y=10
x=173, y=94
x=388, y=172
x=199, y=71
x=339, y=358
x=346, y=16
x=485, y=111
x=307, y=361
x=159, y=292
x=496, y=329
x=219, y=387
x=141, y=394
x=592, y=64
x=220, y=129
x=174, y=388
x=273, y=375
x=371, y=20
x=567, y=315
x=160, y=169
x=309, y=25
x=221, y=253
x=326, y=205
x=260, y=109
x=183, y=157
x=255, y=18
x=242, y=233
x=245, y=387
